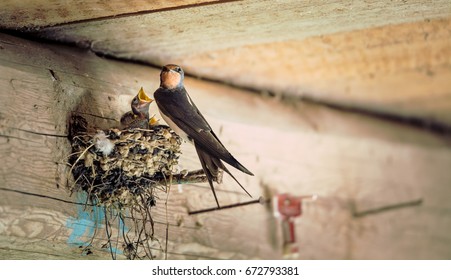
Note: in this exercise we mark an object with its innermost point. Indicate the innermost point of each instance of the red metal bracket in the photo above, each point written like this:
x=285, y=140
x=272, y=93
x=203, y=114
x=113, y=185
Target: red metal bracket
x=287, y=208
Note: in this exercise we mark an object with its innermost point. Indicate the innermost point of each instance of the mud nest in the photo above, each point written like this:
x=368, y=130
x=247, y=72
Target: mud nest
x=119, y=166
x=122, y=171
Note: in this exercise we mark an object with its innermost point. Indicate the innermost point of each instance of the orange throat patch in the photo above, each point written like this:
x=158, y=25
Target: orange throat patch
x=170, y=79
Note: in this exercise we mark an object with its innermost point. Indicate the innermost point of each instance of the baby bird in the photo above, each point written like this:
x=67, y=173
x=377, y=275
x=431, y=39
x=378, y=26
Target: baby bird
x=138, y=117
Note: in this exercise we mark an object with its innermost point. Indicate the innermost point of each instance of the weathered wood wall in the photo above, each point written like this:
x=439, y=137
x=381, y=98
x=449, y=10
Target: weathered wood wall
x=359, y=54
x=383, y=186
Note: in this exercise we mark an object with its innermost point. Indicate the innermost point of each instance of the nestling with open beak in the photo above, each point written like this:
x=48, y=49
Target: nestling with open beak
x=182, y=115
x=138, y=117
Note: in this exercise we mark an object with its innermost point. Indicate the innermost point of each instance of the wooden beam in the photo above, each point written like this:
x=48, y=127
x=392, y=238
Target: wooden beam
x=32, y=14
x=401, y=70
x=170, y=34
x=389, y=57
x=355, y=164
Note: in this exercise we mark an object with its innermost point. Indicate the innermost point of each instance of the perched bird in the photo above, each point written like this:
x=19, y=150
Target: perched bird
x=182, y=115
x=138, y=117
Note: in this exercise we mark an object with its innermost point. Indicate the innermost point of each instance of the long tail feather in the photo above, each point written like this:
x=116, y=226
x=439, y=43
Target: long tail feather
x=222, y=166
x=205, y=161
x=233, y=162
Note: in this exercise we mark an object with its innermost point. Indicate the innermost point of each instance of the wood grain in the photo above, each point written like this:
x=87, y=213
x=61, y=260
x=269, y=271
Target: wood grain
x=31, y=14
x=386, y=57
x=354, y=163
x=401, y=70
x=171, y=34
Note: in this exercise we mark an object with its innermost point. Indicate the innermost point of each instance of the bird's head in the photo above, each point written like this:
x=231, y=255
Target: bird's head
x=171, y=76
x=141, y=102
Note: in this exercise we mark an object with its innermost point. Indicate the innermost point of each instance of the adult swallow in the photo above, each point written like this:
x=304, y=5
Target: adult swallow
x=181, y=114
x=138, y=117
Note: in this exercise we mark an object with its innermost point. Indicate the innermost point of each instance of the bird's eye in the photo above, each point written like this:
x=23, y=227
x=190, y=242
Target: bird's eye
x=178, y=69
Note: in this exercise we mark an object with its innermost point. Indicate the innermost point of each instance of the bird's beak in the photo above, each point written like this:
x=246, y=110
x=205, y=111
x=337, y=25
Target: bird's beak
x=143, y=98
x=153, y=121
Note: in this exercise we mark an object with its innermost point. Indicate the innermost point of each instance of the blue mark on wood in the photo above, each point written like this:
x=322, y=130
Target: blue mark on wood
x=85, y=224
x=89, y=221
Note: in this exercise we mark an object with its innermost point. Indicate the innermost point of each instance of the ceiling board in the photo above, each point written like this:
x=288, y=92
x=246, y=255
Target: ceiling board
x=157, y=37
x=31, y=14
x=391, y=57
x=400, y=69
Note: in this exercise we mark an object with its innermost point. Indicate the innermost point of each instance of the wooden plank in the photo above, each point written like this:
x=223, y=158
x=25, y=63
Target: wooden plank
x=355, y=164
x=401, y=70
x=362, y=55
x=403, y=225
x=15, y=248
x=36, y=233
x=32, y=14
x=172, y=34
x=49, y=88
